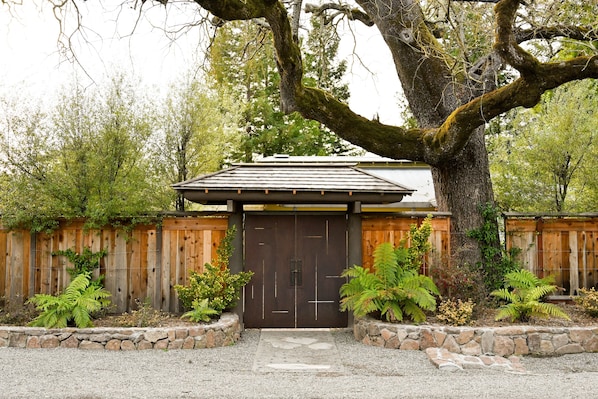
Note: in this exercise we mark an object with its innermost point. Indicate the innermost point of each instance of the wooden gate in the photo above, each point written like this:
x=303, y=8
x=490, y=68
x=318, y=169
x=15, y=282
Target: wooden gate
x=297, y=261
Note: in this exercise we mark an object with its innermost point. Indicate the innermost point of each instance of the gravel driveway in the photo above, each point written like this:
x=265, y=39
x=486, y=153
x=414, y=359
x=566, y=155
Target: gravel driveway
x=368, y=372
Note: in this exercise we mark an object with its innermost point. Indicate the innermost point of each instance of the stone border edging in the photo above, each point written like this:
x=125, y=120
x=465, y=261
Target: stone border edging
x=223, y=332
x=476, y=341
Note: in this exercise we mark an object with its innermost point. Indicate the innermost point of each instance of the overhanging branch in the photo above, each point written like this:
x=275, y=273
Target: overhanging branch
x=352, y=14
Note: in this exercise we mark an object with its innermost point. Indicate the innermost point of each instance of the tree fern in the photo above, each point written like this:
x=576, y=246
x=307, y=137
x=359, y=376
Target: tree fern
x=524, y=292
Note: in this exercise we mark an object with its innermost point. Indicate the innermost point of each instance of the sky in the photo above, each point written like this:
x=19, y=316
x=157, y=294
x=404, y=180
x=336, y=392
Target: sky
x=118, y=37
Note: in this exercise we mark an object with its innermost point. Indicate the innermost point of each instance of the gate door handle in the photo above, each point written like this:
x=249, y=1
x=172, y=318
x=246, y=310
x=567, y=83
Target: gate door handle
x=296, y=272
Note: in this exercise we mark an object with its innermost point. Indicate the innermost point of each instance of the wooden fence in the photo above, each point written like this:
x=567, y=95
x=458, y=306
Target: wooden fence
x=150, y=260
x=144, y=263
x=565, y=247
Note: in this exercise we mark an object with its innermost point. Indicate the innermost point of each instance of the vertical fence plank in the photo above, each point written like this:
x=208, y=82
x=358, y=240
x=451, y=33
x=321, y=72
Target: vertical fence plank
x=16, y=266
x=166, y=260
x=574, y=263
x=4, y=290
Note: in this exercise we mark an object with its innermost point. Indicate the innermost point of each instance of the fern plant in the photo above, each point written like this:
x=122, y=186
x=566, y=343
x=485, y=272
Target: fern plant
x=79, y=300
x=394, y=288
x=525, y=292
x=201, y=311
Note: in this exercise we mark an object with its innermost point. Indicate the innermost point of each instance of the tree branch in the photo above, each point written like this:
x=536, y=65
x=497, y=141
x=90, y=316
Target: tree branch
x=505, y=43
x=581, y=33
x=352, y=14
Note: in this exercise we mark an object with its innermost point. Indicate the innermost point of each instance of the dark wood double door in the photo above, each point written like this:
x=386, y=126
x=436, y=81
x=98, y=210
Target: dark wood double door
x=297, y=260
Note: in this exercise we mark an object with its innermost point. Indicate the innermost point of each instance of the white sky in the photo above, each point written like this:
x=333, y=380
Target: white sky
x=30, y=61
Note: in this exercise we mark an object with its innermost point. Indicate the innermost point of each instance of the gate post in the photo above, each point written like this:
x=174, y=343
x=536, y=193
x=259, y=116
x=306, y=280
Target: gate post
x=354, y=240
x=235, y=218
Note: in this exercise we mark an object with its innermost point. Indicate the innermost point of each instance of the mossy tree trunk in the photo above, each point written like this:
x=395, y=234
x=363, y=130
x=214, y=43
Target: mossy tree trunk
x=451, y=107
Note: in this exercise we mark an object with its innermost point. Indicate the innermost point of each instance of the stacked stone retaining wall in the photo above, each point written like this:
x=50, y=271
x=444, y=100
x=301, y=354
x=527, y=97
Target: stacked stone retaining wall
x=475, y=341
x=224, y=332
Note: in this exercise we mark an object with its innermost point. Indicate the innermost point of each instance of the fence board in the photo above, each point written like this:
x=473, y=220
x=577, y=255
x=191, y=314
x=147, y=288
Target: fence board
x=3, y=263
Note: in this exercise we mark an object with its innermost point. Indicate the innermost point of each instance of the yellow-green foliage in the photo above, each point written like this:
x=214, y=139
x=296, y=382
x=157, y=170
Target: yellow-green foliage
x=215, y=283
x=588, y=300
x=455, y=312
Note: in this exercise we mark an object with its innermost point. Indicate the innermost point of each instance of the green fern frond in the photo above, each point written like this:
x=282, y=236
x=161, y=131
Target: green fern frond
x=521, y=279
x=549, y=310
x=81, y=317
x=509, y=312
x=414, y=311
x=385, y=262
x=539, y=292
x=505, y=294
x=392, y=311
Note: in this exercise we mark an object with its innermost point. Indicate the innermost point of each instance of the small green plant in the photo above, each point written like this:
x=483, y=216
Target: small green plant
x=496, y=261
x=394, y=288
x=215, y=283
x=201, y=311
x=588, y=300
x=525, y=293
x=85, y=262
x=455, y=312
x=80, y=299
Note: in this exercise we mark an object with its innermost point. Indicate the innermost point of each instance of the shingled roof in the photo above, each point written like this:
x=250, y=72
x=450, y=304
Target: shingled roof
x=292, y=183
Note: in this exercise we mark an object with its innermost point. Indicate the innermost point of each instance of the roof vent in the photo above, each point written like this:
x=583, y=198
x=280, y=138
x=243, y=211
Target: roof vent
x=281, y=156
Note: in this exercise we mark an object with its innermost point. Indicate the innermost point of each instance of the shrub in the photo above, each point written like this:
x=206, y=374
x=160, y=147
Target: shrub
x=394, y=288
x=525, y=293
x=455, y=312
x=458, y=281
x=215, y=283
x=144, y=316
x=588, y=300
x=80, y=299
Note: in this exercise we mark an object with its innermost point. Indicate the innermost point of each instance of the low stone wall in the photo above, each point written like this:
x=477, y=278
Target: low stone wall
x=475, y=341
x=224, y=332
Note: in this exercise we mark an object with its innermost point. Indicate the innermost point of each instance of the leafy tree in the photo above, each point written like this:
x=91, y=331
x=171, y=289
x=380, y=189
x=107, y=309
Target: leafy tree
x=242, y=63
x=544, y=161
x=85, y=159
x=453, y=70
x=195, y=133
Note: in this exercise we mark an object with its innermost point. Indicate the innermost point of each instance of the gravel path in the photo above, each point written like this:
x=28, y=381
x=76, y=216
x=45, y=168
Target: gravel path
x=227, y=373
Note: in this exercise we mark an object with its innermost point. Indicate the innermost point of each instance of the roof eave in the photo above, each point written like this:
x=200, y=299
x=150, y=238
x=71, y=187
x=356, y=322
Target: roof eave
x=297, y=197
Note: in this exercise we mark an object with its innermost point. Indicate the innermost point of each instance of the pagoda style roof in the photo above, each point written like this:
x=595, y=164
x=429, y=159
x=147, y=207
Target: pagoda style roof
x=313, y=183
